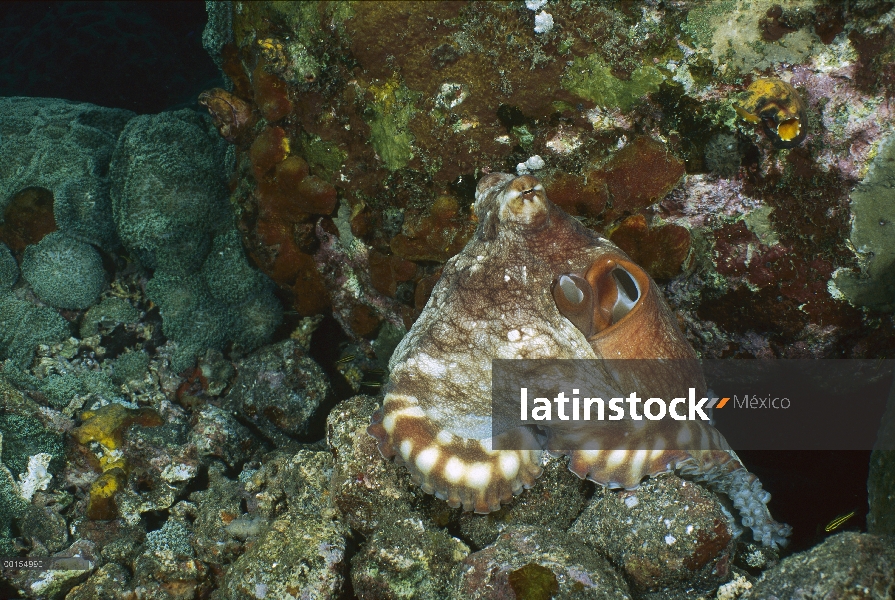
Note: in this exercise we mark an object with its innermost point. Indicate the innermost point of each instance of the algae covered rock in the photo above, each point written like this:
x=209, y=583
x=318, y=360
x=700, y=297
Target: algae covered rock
x=298, y=556
x=169, y=561
x=406, y=559
x=216, y=509
x=295, y=482
x=64, y=272
x=847, y=565
x=109, y=581
x=668, y=534
x=553, y=502
x=216, y=433
x=279, y=389
x=531, y=562
x=873, y=236
x=369, y=491
x=63, y=147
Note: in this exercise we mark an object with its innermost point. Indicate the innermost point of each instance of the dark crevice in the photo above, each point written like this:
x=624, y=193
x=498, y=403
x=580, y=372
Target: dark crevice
x=154, y=519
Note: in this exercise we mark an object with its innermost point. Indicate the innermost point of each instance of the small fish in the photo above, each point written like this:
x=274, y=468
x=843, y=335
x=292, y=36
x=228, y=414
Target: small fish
x=372, y=384
x=345, y=359
x=838, y=521
x=378, y=372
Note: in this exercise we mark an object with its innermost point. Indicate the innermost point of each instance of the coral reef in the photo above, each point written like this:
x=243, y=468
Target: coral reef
x=9, y=268
x=169, y=191
x=65, y=148
x=179, y=402
x=64, y=272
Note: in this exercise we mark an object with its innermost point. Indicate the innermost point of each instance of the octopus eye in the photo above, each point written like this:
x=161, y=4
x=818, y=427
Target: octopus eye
x=628, y=294
x=574, y=299
x=607, y=292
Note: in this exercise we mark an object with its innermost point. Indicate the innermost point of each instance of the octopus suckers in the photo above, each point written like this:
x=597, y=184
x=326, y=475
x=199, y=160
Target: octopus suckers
x=406, y=449
x=509, y=465
x=454, y=470
x=616, y=458
x=426, y=460
x=478, y=476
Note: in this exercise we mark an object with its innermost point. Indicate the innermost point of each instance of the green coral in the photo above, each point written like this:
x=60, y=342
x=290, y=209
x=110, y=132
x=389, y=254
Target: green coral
x=64, y=272
x=227, y=301
x=9, y=269
x=23, y=437
x=592, y=79
x=872, y=236
x=107, y=314
x=247, y=292
x=227, y=273
x=130, y=366
x=60, y=389
x=24, y=326
x=392, y=110
x=12, y=506
x=169, y=189
x=256, y=320
x=62, y=147
x=191, y=316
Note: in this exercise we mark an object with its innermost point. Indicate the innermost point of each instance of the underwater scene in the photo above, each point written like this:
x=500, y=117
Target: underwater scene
x=259, y=262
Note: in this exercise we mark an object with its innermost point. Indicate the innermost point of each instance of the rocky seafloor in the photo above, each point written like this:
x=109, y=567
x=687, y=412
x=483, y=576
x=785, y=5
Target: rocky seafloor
x=197, y=308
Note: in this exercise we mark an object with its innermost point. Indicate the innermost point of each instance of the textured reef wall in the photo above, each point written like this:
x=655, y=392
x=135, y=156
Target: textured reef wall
x=174, y=409
x=361, y=128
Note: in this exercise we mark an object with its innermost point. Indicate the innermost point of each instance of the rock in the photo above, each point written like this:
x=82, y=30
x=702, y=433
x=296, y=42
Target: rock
x=168, y=568
x=298, y=556
x=531, y=562
x=406, y=559
x=669, y=534
x=278, y=388
x=368, y=490
x=847, y=565
x=554, y=502
x=216, y=508
x=110, y=582
x=294, y=482
x=55, y=584
x=218, y=434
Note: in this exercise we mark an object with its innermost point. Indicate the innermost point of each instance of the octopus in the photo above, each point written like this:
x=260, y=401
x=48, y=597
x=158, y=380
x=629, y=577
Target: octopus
x=533, y=283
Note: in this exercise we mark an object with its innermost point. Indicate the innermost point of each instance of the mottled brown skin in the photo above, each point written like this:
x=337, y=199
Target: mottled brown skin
x=533, y=283
x=231, y=115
